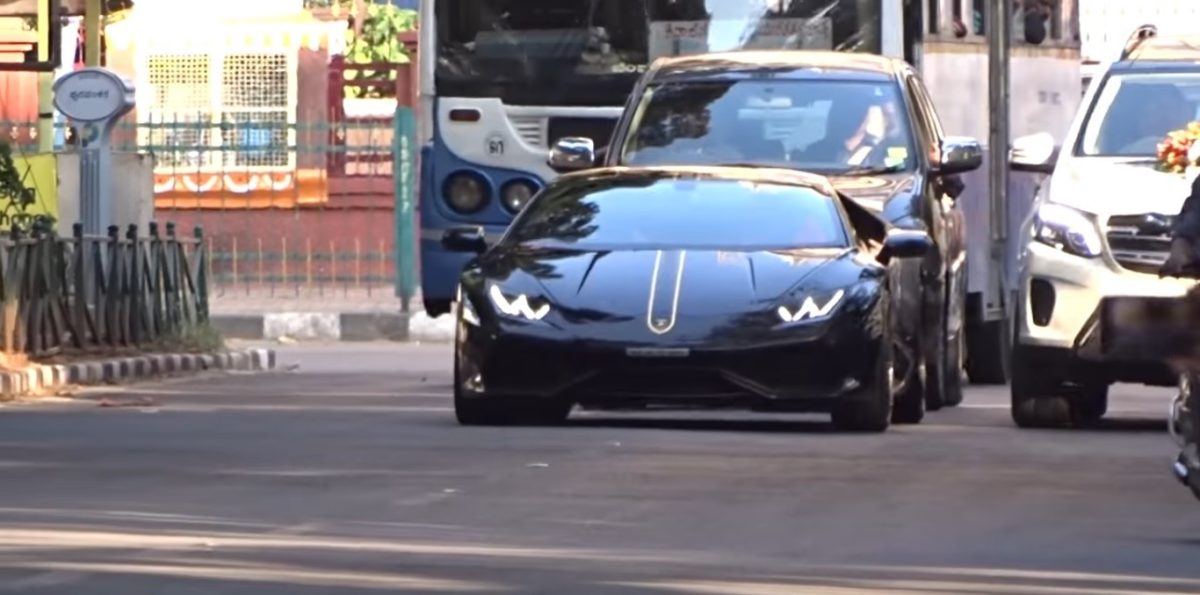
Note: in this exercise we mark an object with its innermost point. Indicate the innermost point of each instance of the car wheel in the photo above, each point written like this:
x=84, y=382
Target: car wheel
x=910, y=400
x=988, y=349
x=540, y=412
x=1035, y=401
x=476, y=411
x=871, y=409
x=954, y=371
x=934, y=353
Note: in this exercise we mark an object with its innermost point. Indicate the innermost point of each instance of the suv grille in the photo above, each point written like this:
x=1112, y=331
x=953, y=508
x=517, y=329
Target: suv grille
x=1140, y=242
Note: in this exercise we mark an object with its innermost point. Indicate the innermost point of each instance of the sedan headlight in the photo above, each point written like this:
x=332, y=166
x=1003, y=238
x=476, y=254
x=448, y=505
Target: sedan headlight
x=812, y=307
x=1066, y=229
x=517, y=306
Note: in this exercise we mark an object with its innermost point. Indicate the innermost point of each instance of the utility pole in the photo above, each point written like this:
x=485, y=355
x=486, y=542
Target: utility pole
x=45, y=127
x=998, y=25
x=91, y=23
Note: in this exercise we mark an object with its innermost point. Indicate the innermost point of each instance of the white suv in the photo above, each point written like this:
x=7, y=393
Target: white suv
x=1100, y=228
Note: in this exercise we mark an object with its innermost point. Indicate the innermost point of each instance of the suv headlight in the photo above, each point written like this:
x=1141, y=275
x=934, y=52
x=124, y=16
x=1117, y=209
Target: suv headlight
x=1067, y=229
x=812, y=306
x=519, y=305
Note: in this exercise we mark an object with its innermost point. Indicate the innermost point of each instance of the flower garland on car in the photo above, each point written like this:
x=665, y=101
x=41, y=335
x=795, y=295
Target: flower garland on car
x=1176, y=153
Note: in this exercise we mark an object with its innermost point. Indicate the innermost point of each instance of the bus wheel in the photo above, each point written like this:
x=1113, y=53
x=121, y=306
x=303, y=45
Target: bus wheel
x=435, y=308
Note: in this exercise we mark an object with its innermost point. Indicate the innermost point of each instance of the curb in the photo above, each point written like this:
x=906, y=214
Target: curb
x=332, y=326
x=38, y=378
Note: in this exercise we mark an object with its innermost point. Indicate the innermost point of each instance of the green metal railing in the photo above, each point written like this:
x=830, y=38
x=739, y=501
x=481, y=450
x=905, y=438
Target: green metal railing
x=352, y=230
x=92, y=292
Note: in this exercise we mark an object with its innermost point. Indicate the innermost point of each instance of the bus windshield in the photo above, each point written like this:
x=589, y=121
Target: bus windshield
x=590, y=52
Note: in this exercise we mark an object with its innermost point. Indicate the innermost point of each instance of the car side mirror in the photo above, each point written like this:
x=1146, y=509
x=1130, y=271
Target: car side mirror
x=572, y=153
x=905, y=243
x=959, y=154
x=1034, y=153
x=465, y=239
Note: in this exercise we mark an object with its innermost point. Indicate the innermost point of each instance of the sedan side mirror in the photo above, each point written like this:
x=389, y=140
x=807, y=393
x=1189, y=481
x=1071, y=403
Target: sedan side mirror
x=1034, y=153
x=572, y=153
x=905, y=243
x=465, y=239
x=959, y=154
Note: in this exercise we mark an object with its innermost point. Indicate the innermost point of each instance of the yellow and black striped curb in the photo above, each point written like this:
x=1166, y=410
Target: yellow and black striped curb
x=40, y=378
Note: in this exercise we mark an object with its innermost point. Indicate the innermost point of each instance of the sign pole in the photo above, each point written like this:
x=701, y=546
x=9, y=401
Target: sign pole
x=94, y=99
x=998, y=31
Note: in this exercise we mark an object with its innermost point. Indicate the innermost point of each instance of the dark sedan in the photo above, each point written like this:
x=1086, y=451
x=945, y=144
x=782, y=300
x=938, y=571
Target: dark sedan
x=698, y=287
x=864, y=121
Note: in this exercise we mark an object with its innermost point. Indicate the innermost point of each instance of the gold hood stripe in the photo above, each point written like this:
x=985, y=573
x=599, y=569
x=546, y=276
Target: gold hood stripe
x=655, y=321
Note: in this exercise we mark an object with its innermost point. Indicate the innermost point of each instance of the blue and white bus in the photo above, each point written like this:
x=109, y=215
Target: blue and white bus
x=503, y=80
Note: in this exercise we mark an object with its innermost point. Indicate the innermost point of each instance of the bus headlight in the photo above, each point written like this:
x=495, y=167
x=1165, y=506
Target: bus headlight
x=516, y=195
x=465, y=193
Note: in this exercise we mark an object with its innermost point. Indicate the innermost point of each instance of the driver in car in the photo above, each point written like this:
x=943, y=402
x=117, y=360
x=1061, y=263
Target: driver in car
x=854, y=133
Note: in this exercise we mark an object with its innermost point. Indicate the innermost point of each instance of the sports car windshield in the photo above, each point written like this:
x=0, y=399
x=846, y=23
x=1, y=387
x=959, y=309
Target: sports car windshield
x=1134, y=112
x=657, y=213
x=816, y=125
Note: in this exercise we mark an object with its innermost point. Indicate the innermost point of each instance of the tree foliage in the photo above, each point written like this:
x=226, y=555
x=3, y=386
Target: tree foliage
x=15, y=197
x=376, y=39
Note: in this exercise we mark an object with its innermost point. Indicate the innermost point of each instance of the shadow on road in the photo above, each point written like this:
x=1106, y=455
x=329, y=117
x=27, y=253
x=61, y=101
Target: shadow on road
x=708, y=425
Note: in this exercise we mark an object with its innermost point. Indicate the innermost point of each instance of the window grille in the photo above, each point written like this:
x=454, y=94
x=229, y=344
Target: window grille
x=220, y=111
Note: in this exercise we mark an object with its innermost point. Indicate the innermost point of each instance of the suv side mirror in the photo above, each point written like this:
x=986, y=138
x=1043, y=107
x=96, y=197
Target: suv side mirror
x=905, y=243
x=465, y=239
x=1034, y=153
x=960, y=154
x=572, y=153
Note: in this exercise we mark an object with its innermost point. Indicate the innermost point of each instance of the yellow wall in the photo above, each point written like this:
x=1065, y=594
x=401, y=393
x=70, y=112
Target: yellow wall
x=39, y=172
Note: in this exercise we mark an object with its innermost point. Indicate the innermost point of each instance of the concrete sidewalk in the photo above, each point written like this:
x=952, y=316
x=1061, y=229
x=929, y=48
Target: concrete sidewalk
x=329, y=315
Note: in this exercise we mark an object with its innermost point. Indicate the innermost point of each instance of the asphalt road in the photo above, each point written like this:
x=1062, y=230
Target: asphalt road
x=348, y=475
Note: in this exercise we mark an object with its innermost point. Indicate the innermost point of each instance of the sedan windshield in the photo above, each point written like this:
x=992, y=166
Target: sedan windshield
x=654, y=212
x=816, y=125
x=1134, y=112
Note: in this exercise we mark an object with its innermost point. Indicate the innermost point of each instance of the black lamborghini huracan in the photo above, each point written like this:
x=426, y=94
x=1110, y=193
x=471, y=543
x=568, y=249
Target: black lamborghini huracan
x=683, y=287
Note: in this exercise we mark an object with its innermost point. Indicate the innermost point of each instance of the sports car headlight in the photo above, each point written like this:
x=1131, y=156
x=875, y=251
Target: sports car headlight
x=812, y=307
x=518, y=306
x=1066, y=229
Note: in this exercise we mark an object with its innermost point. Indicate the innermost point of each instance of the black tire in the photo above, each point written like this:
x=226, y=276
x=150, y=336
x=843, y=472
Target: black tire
x=1034, y=392
x=934, y=352
x=988, y=352
x=1089, y=404
x=956, y=352
x=477, y=412
x=435, y=308
x=483, y=411
x=871, y=410
x=541, y=412
x=910, y=403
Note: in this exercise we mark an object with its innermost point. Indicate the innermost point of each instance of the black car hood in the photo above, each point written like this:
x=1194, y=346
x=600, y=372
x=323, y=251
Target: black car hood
x=619, y=283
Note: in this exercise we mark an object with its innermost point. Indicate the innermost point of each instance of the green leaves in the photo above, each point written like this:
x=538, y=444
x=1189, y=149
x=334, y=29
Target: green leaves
x=378, y=43
x=15, y=197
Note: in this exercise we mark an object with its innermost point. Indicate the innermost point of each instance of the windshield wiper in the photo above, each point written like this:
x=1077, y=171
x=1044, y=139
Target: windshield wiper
x=874, y=170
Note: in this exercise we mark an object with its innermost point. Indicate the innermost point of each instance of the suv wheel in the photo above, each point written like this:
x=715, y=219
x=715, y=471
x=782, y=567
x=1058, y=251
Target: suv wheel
x=1036, y=402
